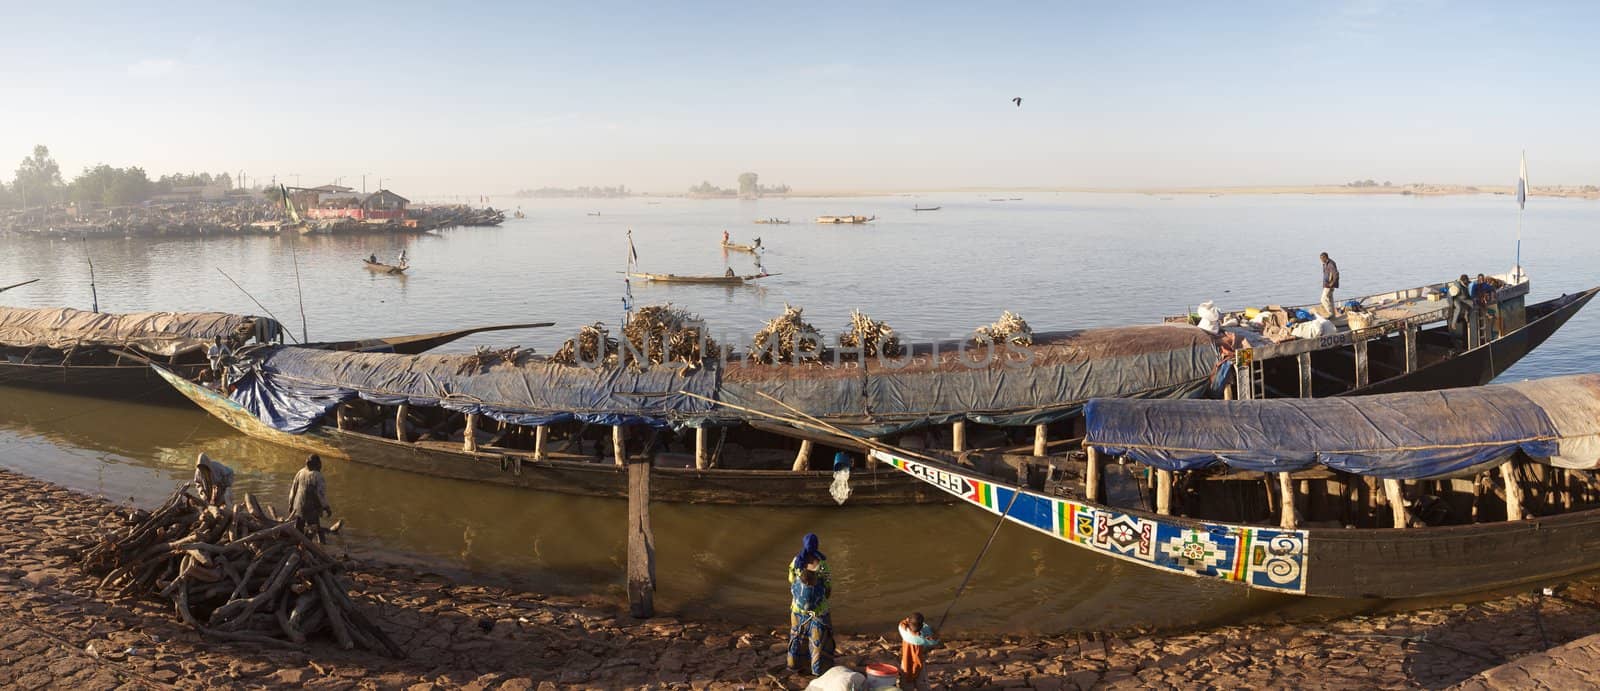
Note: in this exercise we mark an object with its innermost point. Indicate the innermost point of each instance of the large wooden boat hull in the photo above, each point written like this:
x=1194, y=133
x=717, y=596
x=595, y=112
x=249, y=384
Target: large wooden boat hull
x=1341, y=563
x=880, y=485
x=130, y=382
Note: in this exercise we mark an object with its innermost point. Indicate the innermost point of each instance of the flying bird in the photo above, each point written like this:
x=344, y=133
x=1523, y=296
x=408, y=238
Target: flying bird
x=1018, y=101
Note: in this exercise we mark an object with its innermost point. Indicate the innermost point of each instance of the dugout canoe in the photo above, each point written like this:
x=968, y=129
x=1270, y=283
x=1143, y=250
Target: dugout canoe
x=382, y=268
x=1424, y=493
x=736, y=247
x=705, y=280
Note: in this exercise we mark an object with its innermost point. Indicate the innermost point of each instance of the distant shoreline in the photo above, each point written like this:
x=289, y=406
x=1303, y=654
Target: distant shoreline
x=1414, y=189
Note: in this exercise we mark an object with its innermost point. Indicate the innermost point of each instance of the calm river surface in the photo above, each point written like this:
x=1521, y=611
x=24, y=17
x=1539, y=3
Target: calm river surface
x=1060, y=260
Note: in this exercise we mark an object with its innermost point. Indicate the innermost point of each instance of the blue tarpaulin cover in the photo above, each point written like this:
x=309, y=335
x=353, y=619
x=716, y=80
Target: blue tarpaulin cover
x=1415, y=435
x=289, y=388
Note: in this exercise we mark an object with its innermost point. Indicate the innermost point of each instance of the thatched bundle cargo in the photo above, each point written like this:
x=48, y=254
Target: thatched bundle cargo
x=664, y=334
x=787, y=338
x=871, y=336
x=1010, y=329
x=594, y=346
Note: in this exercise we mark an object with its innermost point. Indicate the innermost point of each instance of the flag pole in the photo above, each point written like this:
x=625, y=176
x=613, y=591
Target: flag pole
x=1522, y=205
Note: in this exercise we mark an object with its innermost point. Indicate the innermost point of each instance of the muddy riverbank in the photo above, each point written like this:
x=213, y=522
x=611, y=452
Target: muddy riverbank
x=56, y=630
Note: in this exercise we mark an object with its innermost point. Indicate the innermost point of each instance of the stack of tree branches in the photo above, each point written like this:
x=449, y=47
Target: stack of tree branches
x=871, y=336
x=663, y=333
x=238, y=574
x=1010, y=328
x=593, y=346
x=486, y=358
x=787, y=339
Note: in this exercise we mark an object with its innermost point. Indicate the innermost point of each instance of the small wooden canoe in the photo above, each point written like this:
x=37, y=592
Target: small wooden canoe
x=736, y=247
x=773, y=221
x=846, y=219
x=708, y=280
x=382, y=268
x=925, y=208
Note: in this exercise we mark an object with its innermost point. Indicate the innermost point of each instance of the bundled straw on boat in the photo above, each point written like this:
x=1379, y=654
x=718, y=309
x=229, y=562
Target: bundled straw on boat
x=235, y=573
x=787, y=339
x=871, y=336
x=486, y=358
x=593, y=346
x=663, y=334
x=1010, y=328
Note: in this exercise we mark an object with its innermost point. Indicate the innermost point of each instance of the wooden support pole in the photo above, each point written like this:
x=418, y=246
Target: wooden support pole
x=1041, y=440
x=619, y=443
x=541, y=434
x=400, y=414
x=1227, y=389
x=1290, y=515
x=1163, y=492
x=701, y=459
x=340, y=417
x=1091, y=476
x=958, y=436
x=469, y=438
x=1395, y=491
x=641, y=541
x=802, y=460
x=1508, y=473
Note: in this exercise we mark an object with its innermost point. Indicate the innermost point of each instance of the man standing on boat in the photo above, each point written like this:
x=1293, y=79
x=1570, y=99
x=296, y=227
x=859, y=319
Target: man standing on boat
x=308, y=498
x=1330, y=280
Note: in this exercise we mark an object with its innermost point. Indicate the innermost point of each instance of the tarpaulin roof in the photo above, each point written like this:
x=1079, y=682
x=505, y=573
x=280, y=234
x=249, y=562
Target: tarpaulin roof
x=1012, y=385
x=1412, y=435
x=289, y=388
x=162, y=334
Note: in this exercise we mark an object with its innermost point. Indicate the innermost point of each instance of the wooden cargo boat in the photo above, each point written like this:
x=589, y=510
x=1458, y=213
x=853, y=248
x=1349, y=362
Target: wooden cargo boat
x=1405, y=495
x=1040, y=388
x=107, y=355
x=846, y=219
x=773, y=221
x=566, y=473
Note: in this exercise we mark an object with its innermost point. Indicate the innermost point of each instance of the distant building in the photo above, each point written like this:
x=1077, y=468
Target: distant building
x=382, y=205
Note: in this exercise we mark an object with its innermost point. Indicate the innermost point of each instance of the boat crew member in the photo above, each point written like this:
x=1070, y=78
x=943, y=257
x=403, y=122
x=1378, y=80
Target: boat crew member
x=724, y=237
x=916, y=638
x=213, y=479
x=308, y=498
x=217, y=356
x=372, y=258
x=1460, y=308
x=402, y=261
x=810, y=627
x=729, y=273
x=758, y=242
x=1330, y=280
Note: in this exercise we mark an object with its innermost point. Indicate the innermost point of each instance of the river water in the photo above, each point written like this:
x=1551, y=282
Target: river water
x=1059, y=260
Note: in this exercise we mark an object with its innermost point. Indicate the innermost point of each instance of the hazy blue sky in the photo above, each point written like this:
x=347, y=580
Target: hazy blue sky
x=446, y=97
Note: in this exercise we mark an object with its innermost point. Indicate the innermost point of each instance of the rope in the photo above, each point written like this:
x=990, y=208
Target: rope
x=975, y=562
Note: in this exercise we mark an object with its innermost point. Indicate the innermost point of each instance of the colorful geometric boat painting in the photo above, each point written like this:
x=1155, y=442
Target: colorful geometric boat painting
x=1257, y=557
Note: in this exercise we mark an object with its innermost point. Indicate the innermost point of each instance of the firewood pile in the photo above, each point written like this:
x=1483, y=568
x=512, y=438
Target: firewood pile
x=1011, y=328
x=486, y=358
x=593, y=346
x=871, y=336
x=235, y=573
x=663, y=333
x=787, y=338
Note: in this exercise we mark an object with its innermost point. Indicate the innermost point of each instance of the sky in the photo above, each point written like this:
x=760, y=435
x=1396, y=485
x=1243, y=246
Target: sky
x=445, y=98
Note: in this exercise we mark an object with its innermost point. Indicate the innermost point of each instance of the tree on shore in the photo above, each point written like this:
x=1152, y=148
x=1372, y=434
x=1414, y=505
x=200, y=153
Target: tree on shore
x=38, y=177
x=749, y=185
x=111, y=186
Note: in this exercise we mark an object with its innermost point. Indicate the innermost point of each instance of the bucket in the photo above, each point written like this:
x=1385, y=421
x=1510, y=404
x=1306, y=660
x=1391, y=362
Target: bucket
x=882, y=676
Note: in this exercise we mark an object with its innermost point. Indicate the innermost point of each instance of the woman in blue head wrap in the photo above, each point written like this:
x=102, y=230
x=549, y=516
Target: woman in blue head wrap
x=810, y=623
